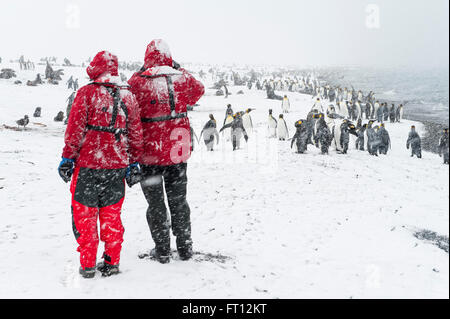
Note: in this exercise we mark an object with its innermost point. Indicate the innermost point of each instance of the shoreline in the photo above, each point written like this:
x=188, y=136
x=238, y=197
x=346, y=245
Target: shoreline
x=430, y=139
x=434, y=125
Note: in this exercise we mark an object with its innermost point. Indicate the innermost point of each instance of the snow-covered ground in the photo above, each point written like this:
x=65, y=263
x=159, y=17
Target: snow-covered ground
x=292, y=226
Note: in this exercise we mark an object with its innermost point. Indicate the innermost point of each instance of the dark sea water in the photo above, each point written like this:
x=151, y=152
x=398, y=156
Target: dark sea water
x=424, y=90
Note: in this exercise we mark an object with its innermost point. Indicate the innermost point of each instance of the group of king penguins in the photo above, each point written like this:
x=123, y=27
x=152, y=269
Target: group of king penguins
x=314, y=130
x=239, y=125
x=235, y=127
x=321, y=129
x=317, y=129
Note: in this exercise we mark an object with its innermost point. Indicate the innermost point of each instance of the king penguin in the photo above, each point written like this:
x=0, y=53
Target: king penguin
x=226, y=133
x=282, y=129
x=247, y=121
x=272, y=125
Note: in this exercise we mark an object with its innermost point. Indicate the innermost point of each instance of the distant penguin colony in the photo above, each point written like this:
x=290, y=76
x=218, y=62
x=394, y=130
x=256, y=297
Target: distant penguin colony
x=336, y=113
x=325, y=128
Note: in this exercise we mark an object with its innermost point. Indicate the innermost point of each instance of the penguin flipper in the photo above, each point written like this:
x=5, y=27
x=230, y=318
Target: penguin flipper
x=225, y=127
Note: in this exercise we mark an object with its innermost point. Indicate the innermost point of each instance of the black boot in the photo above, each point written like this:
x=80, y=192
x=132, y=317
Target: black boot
x=87, y=273
x=108, y=270
x=161, y=255
x=185, y=253
x=184, y=246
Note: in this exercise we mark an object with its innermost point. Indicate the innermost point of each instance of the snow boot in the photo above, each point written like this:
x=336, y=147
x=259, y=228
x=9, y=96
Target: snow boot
x=108, y=270
x=162, y=257
x=87, y=273
x=185, y=253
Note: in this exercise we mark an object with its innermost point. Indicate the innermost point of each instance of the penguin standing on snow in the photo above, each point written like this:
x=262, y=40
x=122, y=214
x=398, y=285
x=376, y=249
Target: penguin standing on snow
x=392, y=114
x=443, y=146
x=210, y=133
x=311, y=124
x=346, y=129
x=237, y=130
x=300, y=137
x=228, y=119
x=399, y=113
x=375, y=112
x=247, y=121
x=282, y=129
x=37, y=112
x=372, y=142
x=24, y=121
x=379, y=113
x=272, y=125
x=59, y=117
x=360, y=140
x=344, y=137
x=322, y=136
x=229, y=112
x=414, y=142
x=384, y=140
x=285, y=105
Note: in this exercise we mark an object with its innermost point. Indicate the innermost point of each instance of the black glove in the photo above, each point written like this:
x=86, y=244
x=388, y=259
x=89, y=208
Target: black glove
x=65, y=169
x=134, y=175
x=175, y=65
x=246, y=138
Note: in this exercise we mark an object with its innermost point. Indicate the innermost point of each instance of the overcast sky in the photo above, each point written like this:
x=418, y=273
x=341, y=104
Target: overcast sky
x=281, y=32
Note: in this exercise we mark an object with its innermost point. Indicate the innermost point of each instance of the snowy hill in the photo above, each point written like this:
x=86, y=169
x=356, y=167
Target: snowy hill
x=270, y=223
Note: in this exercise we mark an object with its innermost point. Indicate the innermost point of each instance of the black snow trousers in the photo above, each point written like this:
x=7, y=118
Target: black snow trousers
x=173, y=181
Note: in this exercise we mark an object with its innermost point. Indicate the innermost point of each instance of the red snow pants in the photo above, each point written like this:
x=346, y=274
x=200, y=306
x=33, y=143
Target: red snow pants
x=98, y=193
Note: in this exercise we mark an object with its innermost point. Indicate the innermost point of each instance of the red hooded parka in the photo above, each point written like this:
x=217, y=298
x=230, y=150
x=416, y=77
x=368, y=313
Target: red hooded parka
x=163, y=94
x=92, y=108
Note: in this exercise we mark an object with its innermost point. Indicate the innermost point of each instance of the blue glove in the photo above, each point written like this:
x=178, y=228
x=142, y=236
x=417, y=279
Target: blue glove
x=65, y=169
x=133, y=175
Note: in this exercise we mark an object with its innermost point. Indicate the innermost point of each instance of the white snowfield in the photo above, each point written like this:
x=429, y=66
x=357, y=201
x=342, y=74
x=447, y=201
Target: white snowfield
x=282, y=225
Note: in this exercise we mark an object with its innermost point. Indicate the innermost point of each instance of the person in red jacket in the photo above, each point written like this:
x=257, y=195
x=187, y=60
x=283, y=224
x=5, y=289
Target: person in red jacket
x=103, y=144
x=164, y=90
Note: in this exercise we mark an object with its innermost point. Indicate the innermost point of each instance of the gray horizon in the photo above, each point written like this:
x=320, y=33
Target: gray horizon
x=297, y=33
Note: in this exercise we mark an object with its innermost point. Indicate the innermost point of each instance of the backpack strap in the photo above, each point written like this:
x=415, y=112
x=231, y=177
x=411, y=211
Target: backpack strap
x=173, y=115
x=118, y=102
